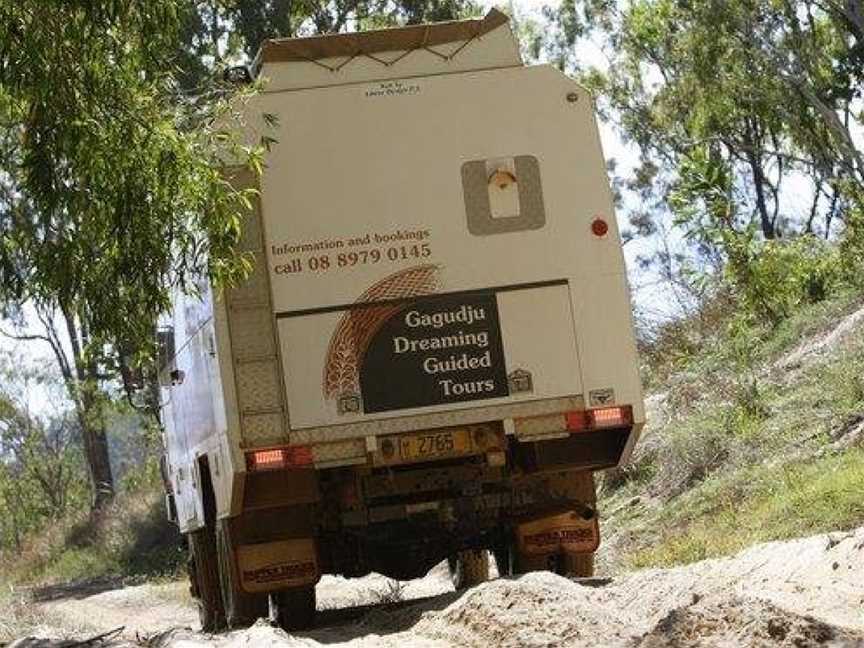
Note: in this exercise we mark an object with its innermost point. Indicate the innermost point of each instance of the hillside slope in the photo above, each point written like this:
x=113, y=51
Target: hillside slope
x=757, y=436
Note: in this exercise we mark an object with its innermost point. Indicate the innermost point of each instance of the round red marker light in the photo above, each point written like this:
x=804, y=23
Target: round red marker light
x=600, y=227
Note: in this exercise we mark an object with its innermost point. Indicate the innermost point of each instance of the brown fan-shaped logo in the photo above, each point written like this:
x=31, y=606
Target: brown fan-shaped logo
x=359, y=325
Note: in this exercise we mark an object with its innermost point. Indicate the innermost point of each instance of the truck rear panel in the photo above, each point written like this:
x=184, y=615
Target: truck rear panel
x=408, y=288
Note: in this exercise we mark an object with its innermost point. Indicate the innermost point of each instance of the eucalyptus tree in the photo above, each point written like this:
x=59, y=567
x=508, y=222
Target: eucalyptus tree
x=744, y=114
x=41, y=469
x=111, y=194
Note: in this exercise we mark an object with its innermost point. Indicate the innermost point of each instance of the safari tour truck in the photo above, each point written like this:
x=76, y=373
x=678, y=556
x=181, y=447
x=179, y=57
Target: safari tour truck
x=434, y=351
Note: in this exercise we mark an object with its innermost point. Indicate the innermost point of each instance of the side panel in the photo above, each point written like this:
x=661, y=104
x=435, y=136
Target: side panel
x=193, y=411
x=256, y=367
x=383, y=178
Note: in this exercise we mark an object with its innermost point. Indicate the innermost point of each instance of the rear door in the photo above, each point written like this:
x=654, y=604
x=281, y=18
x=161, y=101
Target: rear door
x=429, y=353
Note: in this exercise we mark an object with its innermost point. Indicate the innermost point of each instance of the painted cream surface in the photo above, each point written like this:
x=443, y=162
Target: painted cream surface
x=350, y=162
x=347, y=165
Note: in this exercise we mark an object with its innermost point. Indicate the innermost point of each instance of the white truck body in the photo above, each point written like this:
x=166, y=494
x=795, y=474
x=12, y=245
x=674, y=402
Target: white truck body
x=434, y=246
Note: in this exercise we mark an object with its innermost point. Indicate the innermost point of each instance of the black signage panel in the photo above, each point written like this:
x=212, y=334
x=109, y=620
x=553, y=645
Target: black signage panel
x=433, y=351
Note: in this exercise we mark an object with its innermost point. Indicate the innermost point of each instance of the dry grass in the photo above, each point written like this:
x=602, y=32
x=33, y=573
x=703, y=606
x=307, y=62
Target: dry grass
x=789, y=501
x=133, y=539
x=19, y=617
x=717, y=468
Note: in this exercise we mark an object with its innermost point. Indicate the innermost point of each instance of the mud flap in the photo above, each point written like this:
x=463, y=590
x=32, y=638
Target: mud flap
x=570, y=532
x=272, y=566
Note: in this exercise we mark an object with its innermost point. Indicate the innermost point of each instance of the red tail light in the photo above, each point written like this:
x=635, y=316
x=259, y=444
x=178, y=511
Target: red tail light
x=278, y=458
x=577, y=421
x=611, y=416
x=605, y=417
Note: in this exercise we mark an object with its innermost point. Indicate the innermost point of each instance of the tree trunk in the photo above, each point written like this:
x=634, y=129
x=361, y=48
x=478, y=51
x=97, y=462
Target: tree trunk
x=755, y=162
x=96, y=447
x=91, y=417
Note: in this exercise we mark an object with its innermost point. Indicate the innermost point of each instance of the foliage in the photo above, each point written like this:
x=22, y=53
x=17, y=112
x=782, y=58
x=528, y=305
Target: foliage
x=42, y=476
x=794, y=500
x=133, y=538
x=759, y=89
x=748, y=440
x=112, y=192
x=744, y=116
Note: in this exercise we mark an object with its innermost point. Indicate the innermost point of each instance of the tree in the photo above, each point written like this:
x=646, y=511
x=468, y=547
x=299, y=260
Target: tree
x=41, y=472
x=743, y=113
x=111, y=194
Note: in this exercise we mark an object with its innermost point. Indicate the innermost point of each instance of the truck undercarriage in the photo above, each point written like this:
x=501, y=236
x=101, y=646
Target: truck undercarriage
x=530, y=505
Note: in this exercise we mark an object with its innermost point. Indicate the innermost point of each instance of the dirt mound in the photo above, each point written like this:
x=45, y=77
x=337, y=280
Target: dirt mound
x=539, y=609
x=740, y=622
x=799, y=594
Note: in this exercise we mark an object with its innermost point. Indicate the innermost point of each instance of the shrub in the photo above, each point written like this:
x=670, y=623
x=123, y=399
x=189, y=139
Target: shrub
x=773, y=278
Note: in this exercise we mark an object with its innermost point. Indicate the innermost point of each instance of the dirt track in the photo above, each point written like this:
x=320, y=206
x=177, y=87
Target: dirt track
x=803, y=593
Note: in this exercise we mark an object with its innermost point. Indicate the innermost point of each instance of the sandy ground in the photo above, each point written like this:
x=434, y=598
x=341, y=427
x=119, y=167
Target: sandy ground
x=802, y=593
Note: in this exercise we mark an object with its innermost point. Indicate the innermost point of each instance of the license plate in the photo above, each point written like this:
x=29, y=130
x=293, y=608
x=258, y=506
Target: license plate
x=434, y=445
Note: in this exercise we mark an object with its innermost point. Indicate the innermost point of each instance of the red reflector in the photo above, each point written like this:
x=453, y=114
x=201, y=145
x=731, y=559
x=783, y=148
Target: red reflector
x=299, y=456
x=600, y=227
x=279, y=458
x=576, y=421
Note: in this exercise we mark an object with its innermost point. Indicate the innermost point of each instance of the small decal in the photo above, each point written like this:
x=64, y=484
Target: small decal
x=349, y=404
x=281, y=572
x=520, y=381
x=393, y=89
x=601, y=397
x=271, y=566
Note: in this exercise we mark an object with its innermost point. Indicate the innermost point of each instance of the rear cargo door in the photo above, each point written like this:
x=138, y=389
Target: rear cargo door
x=429, y=353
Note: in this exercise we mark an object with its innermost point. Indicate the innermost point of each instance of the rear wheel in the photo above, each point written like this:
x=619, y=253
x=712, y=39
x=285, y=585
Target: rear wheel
x=504, y=559
x=294, y=609
x=469, y=568
x=569, y=565
x=241, y=608
x=204, y=579
x=525, y=563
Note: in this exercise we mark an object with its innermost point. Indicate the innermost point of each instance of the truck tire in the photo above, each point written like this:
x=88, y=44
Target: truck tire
x=504, y=559
x=469, y=568
x=294, y=608
x=577, y=565
x=204, y=579
x=241, y=608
